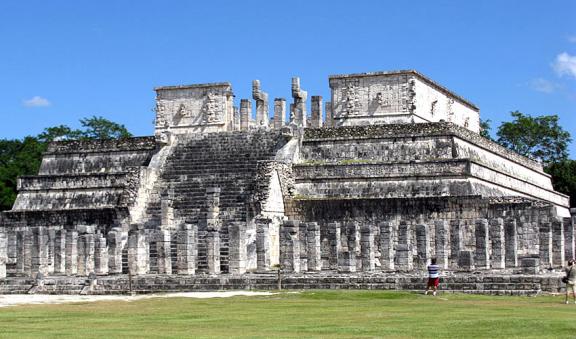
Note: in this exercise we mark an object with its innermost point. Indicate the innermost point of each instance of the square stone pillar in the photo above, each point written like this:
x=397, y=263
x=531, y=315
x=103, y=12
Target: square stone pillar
x=138, y=256
x=348, y=259
x=279, y=113
x=163, y=252
x=303, y=247
x=263, y=244
x=115, y=251
x=497, y=236
x=261, y=98
x=245, y=114
x=335, y=244
x=51, y=240
x=387, y=235
x=569, y=239
x=455, y=242
x=187, y=249
x=298, y=108
x=558, y=250
x=290, y=246
x=545, y=248
x=40, y=260
x=237, y=247
x=313, y=246
x=71, y=252
x=422, y=246
x=511, y=241
x=236, y=125
x=367, y=248
x=86, y=251
x=442, y=241
x=100, y=254
x=3, y=253
x=404, y=248
x=213, y=251
x=482, y=254
x=316, y=118
x=329, y=122
x=60, y=252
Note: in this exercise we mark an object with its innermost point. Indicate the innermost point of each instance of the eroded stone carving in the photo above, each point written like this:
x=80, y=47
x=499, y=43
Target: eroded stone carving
x=211, y=109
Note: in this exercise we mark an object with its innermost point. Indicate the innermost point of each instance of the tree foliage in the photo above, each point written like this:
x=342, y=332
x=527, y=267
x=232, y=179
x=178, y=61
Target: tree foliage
x=540, y=138
x=23, y=157
x=564, y=178
x=485, y=128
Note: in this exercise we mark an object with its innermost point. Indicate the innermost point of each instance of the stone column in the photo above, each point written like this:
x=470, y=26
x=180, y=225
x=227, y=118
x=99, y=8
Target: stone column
x=348, y=260
x=245, y=114
x=367, y=248
x=335, y=244
x=497, y=236
x=545, y=248
x=387, y=235
x=236, y=112
x=163, y=252
x=482, y=255
x=313, y=246
x=262, y=119
x=422, y=245
x=455, y=242
x=298, y=114
x=237, y=248
x=442, y=242
x=51, y=239
x=558, y=243
x=213, y=251
x=303, y=247
x=511, y=240
x=569, y=239
x=279, y=113
x=404, y=248
x=115, y=251
x=40, y=260
x=100, y=254
x=290, y=246
x=263, y=244
x=138, y=256
x=71, y=252
x=329, y=122
x=3, y=253
x=167, y=214
x=187, y=250
x=90, y=251
x=316, y=119
x=465, y=260
x=81, y=255
x=60, y=252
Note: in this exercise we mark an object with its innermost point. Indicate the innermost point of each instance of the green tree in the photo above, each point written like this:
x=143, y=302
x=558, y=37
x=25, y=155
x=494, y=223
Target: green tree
x=485, y=128
x=17, y=158
x=540, y=138
x=61, y=132
x=564, y=178
x=101, y=128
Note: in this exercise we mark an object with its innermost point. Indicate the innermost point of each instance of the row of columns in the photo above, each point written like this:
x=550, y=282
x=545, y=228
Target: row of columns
x=298, y=115
x=405, y=246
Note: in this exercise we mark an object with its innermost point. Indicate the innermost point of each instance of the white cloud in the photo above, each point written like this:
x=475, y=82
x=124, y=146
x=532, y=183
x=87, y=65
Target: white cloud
x=565, y=64
x=37, y=101
x=543, y=85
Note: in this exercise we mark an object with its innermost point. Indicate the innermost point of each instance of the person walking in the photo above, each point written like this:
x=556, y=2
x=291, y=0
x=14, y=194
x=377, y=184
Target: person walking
x=433, y=277
x=570, y=280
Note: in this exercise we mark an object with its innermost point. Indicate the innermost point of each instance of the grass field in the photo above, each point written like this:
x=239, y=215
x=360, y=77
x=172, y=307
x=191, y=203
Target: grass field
x=327, y=314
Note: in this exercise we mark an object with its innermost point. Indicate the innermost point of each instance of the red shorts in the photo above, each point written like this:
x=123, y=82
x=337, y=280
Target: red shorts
x=433, y=282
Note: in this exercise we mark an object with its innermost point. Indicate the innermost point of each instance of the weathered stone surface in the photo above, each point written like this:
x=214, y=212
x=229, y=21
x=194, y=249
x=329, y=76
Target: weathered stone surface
x=374, y=191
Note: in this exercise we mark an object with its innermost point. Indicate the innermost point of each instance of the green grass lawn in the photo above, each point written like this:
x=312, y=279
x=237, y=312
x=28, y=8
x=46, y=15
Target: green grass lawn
x=328, y=314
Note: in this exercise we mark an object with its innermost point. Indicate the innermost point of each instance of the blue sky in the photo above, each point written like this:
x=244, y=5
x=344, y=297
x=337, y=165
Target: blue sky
x=61, y=61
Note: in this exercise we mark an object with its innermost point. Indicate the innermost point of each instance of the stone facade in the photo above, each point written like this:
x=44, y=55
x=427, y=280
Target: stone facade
x=395, y=175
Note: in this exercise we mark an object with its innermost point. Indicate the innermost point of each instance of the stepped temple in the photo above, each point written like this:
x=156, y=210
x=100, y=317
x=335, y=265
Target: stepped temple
x=360, y=193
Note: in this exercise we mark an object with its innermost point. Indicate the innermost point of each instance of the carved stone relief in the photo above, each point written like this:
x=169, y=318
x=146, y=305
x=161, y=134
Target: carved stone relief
x=352, y=98
x=210, y=109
